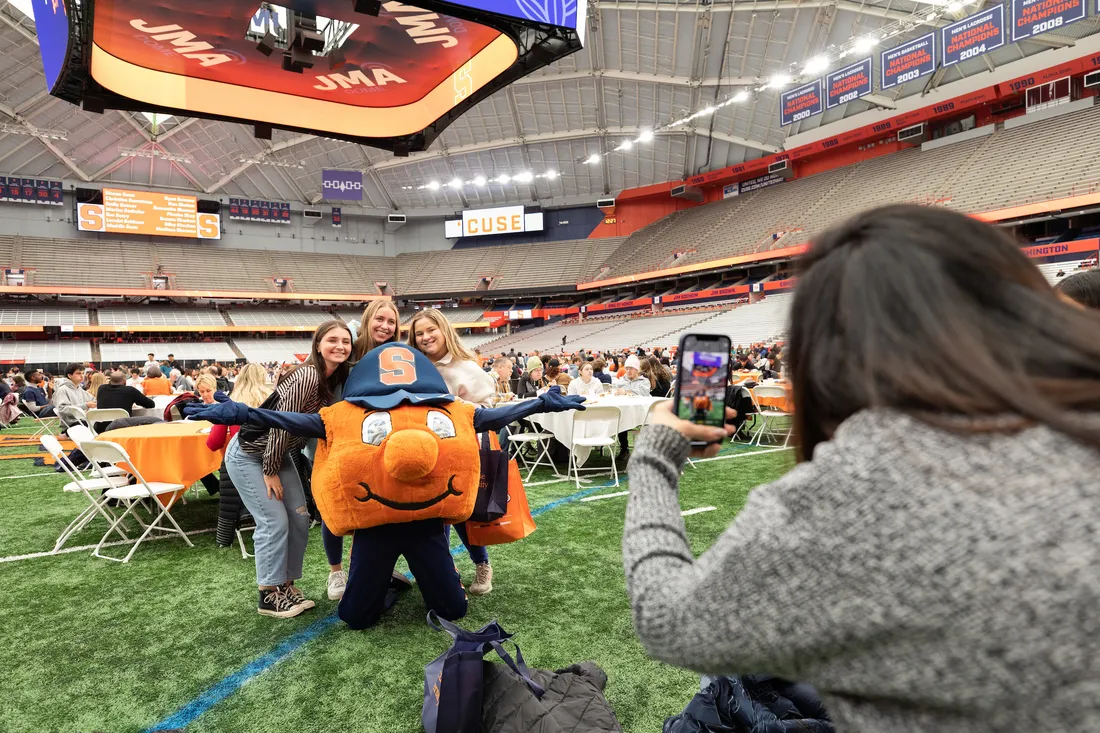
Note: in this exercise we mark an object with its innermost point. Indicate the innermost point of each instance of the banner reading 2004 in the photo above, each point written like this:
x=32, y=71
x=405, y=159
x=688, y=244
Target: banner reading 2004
x=1032, y=17
x=800, y=103
x=971, y=37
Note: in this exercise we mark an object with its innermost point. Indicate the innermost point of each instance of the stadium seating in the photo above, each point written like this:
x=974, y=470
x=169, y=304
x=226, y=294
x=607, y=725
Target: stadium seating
x=112, y=354
x=1051, y=270
x=265, y=350
x=285, y=317
x=147, y=316
x=40, y=316
x=47, y=352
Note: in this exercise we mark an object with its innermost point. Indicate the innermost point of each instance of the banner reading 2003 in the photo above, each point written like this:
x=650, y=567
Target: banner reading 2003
x=971, y=37
x=1032, y=17
x=908, y=61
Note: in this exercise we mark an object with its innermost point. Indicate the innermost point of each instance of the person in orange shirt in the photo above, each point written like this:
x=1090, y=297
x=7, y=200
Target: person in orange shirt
x=155, y=383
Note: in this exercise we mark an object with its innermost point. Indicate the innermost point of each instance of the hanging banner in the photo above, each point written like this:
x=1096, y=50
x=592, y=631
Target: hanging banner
x=336, y=223
x=1032, y=17
x=798, y=104
x=908, y=61
x=31, y=191
x=971, y=37
x=755, y=184
x=346, y=185
x=851, y=82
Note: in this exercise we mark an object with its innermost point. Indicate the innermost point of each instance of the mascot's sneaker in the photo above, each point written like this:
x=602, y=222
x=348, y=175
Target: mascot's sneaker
x=483, y=579
x=274, y=602
x=297, y=597
x=337, y=581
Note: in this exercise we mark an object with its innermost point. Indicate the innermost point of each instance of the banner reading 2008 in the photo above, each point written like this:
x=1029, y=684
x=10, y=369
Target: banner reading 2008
x=1032, y=17
x=971, y=37
x=908, y=61
x=800, y=103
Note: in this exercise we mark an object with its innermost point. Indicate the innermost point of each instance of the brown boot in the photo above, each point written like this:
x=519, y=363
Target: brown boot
x=483, y=579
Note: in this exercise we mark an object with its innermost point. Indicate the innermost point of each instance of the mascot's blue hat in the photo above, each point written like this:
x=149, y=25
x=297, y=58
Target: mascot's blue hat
x=393, y=374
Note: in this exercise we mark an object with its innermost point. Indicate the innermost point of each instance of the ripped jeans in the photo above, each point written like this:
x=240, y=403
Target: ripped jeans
x=282, y=527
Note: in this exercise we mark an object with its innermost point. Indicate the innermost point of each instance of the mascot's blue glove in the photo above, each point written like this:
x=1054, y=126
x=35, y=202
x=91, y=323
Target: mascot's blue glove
x=222, y=413
x=496, y=418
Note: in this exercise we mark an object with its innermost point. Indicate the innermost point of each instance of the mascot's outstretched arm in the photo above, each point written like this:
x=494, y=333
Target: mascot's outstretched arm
x=495, y=418
x=238, y=413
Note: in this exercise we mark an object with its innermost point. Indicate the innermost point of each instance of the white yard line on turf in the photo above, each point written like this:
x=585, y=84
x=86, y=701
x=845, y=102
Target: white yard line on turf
x=605, y=496
x=34, y=555
x=32, y=475
x=547, y=483
x=742, y=455
x=699, y=510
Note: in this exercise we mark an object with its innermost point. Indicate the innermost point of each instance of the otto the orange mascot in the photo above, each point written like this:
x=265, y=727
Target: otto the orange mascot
x=396, y=460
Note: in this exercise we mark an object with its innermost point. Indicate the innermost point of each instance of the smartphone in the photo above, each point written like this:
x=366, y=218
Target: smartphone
x=702, y=373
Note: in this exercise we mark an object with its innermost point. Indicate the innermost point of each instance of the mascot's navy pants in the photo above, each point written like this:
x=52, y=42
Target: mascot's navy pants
x=374, y=554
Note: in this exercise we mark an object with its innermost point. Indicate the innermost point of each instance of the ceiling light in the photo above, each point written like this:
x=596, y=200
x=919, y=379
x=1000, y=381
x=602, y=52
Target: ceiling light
x=954, y=7
x=625, y=145
x=503, y=178
x=707, y=111
x=593, y=159
x=741, y=96
x=455, y=183
x=645, y=136
x=525, y=177
x=551, y=174
x=930, y=17
x=865, y=44
x=433, y=185
x=779, y=80
x=479, y=181
x=816, y=65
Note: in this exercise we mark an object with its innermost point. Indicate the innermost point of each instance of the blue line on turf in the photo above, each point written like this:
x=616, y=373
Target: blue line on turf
x=228, y=685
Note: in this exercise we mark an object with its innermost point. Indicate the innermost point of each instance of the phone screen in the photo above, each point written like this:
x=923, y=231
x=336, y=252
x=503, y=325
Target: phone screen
x=701, y=383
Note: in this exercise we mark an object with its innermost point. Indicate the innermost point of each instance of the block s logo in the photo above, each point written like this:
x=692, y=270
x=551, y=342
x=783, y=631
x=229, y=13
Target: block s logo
x=209, y=226
x=90, y=218
x=463, y=82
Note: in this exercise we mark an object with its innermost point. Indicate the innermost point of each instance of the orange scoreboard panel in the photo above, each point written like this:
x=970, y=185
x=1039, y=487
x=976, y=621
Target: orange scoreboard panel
x=148, y=213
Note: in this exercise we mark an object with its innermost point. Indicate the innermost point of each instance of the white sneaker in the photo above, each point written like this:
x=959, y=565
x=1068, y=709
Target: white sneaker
x=337, y=581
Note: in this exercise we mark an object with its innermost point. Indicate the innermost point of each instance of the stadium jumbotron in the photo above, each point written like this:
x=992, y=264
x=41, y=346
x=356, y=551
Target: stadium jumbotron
x=200, y=186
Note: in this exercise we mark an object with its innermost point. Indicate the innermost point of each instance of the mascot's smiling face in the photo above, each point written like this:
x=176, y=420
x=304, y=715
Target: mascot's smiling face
x=402, y=464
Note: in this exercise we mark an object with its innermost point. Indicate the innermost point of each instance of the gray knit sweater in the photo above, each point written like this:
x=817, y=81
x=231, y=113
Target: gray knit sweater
x=919, y=579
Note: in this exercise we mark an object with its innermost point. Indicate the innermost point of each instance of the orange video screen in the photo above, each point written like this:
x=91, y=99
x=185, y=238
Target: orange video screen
x=148, y=213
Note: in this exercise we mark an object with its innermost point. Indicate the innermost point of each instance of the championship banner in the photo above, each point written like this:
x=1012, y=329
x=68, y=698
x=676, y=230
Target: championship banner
x=336, y=217
x=908, y=61
x=1032, y=17
x=800, y=103
x=345, y=185
x=971, y=37
x=851, y=82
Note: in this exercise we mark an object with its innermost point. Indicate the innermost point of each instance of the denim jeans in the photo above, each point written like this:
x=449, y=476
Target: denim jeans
x=478, y=553
x=282, y=527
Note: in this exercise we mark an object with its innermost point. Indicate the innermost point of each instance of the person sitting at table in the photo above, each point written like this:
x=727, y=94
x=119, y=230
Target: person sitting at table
x=660, y=378
x=586, y=384
x=502, y=373
x=533, y=380
x=155, y=383
x=70, y=394
x=206, y=386
x=93, y=382
x=632, y=384
x=116, y=394
x=34, y=396
x=599, y=371
x=180, y=382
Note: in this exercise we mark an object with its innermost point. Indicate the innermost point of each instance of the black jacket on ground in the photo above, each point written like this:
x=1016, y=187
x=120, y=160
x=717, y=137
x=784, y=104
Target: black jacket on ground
x=573, y=702
x=753, y=704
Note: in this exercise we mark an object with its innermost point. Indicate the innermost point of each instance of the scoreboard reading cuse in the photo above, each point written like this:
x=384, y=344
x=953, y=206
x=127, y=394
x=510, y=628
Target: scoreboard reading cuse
x=148, y=213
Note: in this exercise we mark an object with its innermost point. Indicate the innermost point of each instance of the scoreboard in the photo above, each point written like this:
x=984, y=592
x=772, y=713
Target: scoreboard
x=148, y=213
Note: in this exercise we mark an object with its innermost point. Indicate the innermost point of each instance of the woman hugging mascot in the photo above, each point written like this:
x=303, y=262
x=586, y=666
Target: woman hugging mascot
x=396, y=460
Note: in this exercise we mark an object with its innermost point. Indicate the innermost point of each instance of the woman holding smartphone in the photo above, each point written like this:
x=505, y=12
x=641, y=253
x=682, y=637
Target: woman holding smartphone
x=930, y=564
x=433, y=335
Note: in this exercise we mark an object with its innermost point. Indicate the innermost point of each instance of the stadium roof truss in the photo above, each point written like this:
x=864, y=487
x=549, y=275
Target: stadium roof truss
x=645, y=63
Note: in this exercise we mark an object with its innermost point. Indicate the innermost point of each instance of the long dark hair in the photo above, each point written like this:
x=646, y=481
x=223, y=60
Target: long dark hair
x=938, y=315
x=325, y=387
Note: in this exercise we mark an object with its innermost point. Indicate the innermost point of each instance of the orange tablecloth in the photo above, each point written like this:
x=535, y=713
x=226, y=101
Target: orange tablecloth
x=172, y=452
x=778, y=403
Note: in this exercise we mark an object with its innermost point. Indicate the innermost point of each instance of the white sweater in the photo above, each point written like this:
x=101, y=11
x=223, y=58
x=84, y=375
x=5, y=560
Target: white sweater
x=578, y=387
x=467, y=381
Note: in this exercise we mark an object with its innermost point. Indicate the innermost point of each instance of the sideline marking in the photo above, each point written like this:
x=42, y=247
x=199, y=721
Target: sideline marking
x=605, y=496
x=700, y=510
x=32, y=475
x=67, y=550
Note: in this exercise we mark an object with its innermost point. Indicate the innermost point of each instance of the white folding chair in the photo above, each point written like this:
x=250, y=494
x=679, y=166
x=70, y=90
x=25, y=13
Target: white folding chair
x=97, y=505
x=240, y=540
x=79, y=434
x=537, y=437
x=590, y=431
x=105, y=414
x=102, y=451
x=44, y=425
x=766, y=414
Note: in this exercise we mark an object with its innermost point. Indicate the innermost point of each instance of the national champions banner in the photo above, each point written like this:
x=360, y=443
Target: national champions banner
x=343, y=185
x=971, y=37
x=800, y=103
x=908, y=61
x=1032, y=17
x=851, y=82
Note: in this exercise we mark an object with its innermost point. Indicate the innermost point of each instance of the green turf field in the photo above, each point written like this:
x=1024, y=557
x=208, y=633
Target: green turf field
x=90, y=645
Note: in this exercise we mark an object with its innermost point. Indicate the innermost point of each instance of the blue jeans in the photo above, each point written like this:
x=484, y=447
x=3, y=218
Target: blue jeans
x=478, y=553
x=282, y=527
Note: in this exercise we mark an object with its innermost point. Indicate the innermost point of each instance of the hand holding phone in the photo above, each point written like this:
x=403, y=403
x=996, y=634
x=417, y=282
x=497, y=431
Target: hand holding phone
x=702, y=374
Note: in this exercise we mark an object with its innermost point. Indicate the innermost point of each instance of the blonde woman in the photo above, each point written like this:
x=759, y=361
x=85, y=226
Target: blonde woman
x=97, y=380
x=251, y=389
x=435, y=337
x=379, y=324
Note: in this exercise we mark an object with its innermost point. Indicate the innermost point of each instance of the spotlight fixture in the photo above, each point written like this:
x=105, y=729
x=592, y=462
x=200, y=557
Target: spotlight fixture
x=645, y=136
x=479, y=180
x=593, y=159
x=862, y=45
x=779, y=80
x=816, y=65
x=525, y=177
x=433, y=185
x=503, y=178
x=551, y=174
x=455, y=183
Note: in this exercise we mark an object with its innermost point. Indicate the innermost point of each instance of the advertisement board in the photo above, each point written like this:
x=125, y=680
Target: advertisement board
x=800, y=103
x=501, y=220
x=971, y=37
x=148, y=213
x=851, y=82
x=908, y=61
x=1032, y=17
